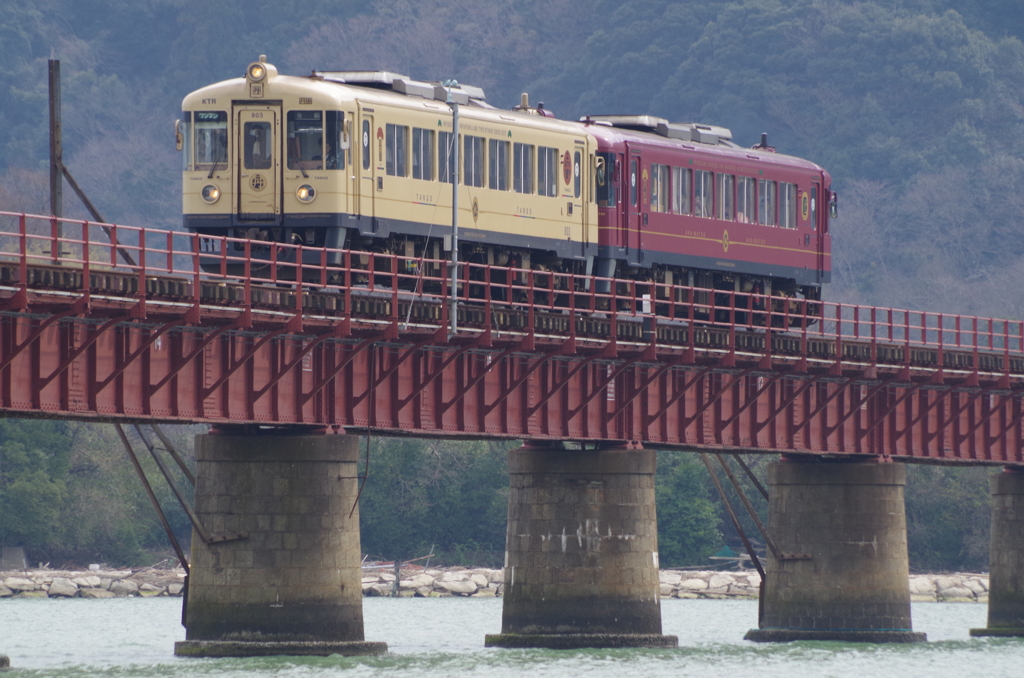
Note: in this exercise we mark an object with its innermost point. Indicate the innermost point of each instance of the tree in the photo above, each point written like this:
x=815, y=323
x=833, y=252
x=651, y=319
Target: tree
x=33, y=464
x=688, y=521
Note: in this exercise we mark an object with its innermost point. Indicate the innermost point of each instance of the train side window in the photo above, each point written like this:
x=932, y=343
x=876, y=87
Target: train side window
x=396, y=139
x=787, y=205
x=745, y=211
x=604, y=183
x=659, y=188
x=703, y=194
x=726, y=195
x=497, y=167
x=211, y=129
x=422, y=154
x=680, y=190
x=473, y=161
x=305, y=139
x=335, y=140
x=445, y=157
x=522, y=168
x=547, y=171
x=577, y=171
x=766, y=202
x=366, y=144
x=633, y=181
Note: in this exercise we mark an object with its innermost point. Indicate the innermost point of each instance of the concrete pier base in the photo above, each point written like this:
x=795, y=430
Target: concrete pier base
x=291, y=583
x=581, y=555
x=1006, y=560
x=843, y=575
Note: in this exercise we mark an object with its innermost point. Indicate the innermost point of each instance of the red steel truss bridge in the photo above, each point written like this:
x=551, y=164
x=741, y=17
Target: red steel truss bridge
x=118, y=323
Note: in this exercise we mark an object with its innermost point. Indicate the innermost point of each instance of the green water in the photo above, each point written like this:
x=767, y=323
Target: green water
x=443, y=637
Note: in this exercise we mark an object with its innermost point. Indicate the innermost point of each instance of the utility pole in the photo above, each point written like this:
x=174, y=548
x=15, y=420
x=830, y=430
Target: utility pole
x=56, y=148
x=454, y=265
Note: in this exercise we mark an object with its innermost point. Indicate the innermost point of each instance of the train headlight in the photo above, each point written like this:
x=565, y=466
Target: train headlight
x=211, y=194
x=257, y=71
x=305, y=193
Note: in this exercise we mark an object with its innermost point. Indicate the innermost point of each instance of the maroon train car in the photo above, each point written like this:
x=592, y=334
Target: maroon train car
x=681, y=203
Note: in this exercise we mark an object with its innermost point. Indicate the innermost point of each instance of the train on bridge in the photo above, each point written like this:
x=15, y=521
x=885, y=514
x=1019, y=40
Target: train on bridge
x=365, y=161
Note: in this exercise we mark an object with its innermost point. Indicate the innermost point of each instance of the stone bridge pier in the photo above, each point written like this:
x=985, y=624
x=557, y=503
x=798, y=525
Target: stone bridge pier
x=291, y=583
x=581, y=555
x=840, y=529
x=1006, y=556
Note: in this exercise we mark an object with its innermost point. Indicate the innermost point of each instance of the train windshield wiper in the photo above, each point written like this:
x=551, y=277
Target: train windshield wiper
x=215, y=163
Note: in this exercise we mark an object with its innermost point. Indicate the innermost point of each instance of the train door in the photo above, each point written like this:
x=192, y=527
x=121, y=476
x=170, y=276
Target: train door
x=632, y=192
x=367, y=171
x=259, y=165
x=818, y=224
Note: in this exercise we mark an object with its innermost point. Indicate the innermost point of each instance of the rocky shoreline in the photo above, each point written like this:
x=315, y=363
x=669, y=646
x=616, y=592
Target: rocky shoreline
x=444, y=582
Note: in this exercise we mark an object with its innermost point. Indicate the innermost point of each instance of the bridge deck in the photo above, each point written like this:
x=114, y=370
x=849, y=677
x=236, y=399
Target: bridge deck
x=123, y=323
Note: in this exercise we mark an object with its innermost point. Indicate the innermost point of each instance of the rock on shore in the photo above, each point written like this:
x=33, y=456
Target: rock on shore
x=91, y=584
x=439, y=583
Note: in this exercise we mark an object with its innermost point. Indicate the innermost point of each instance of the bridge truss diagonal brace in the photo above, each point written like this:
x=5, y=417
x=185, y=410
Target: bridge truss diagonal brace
x=134, y=355
x=36, y=333
x=608, y=351
x=238, y=364
x=184, y=362
x=336, y=370
x=288, y=367
x=781, y=407
x=911, y=390
x=855, y=407
x=647, y=384
x=82, y=348
x=386, y=374
x=472, y=383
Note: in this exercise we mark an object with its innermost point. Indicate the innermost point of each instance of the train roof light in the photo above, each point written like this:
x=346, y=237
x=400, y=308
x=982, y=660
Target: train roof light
x=258, y=71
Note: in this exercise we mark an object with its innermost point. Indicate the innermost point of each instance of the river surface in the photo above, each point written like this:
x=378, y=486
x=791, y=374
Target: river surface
x=443, y=637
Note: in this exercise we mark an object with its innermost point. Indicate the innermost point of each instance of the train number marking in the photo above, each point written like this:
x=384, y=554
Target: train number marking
x=256, y=114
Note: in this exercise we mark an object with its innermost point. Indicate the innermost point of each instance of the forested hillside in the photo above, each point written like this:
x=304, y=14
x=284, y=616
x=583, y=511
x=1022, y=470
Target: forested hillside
x=916, y=107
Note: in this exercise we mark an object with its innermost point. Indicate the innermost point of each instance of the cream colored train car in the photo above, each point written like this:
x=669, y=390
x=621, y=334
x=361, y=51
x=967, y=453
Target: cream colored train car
x=363, y=160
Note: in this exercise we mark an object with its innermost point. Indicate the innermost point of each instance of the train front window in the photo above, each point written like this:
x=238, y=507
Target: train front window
x=256, y=140
x=305, y=140
x=185, y=129
x=211, y=135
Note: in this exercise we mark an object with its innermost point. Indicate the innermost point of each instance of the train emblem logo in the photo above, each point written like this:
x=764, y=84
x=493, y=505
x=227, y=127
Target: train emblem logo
x=566, y=168
x=725, y=241
x=258, y=182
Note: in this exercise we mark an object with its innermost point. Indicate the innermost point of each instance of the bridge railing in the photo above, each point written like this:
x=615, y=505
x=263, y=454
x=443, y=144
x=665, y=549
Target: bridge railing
x=40, y=251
